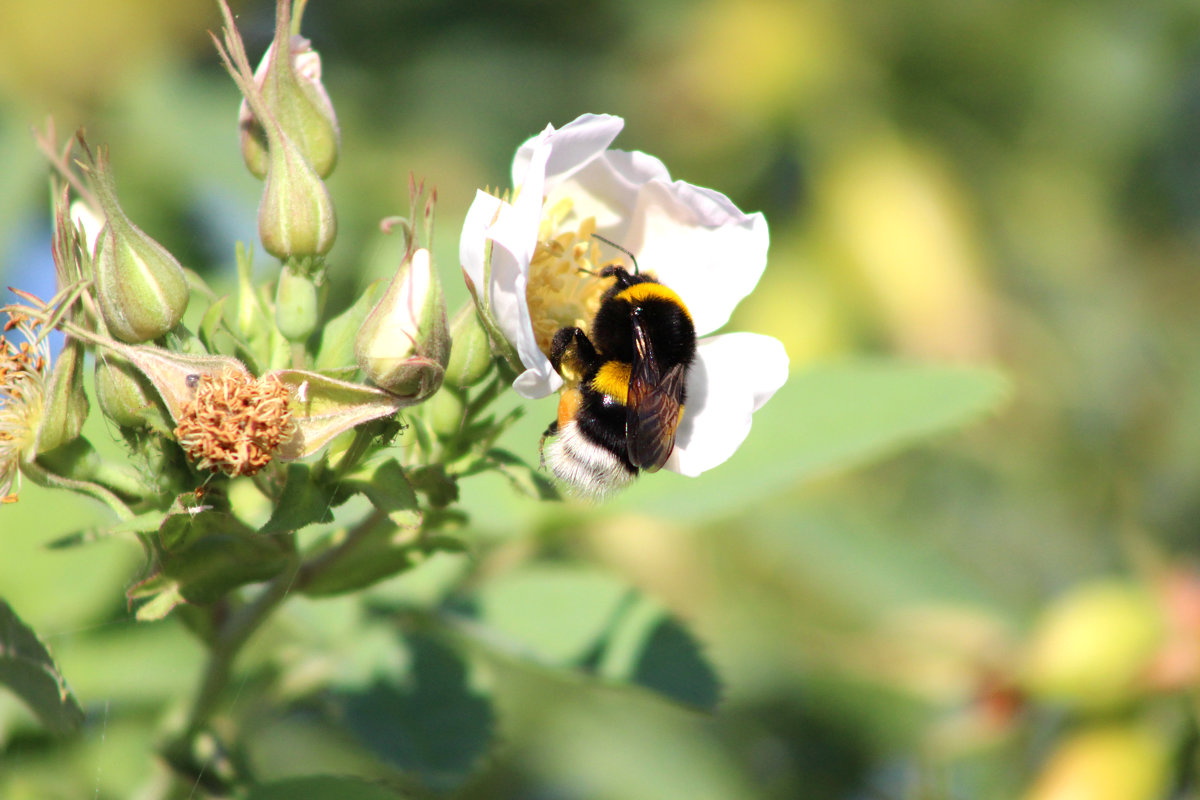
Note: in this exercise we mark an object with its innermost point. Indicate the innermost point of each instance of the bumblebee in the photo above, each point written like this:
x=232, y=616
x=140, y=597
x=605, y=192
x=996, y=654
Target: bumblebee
x=626, y=386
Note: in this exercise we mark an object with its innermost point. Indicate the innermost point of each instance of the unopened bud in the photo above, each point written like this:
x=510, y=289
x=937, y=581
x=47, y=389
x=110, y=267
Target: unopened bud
x=295, y=217
x=140, y=287
x=127, y=397
x=66, y=401
x=471, y=356
x=296, y=306
x=292, y=89
x=446, y=413
x=404, y=344
x=1093, y=646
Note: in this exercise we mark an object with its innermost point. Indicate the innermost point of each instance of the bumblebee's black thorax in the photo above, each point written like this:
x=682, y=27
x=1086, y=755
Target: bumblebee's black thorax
x=660, y=312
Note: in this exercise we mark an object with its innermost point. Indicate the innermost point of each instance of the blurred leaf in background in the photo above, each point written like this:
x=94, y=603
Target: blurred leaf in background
x=1006, y=184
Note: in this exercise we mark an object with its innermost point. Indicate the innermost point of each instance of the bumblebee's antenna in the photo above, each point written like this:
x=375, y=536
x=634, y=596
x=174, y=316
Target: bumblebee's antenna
x=611, y=243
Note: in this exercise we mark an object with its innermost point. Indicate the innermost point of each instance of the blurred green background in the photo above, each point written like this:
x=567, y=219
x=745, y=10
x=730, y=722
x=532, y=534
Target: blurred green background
x=978, y=181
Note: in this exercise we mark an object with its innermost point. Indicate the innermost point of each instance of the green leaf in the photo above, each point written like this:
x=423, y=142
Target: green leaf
x=303, y=502
x=556, y=614
x=435, y=483
x=211, y=324
x=826, y=418
x=324, y=787
x=524, y=478
x=338, y=335
x=385, y=484
x=650, y=648
x=199, y=557
x=429, y=721
x=27, y=668
x=389, y=546
x=590, y=623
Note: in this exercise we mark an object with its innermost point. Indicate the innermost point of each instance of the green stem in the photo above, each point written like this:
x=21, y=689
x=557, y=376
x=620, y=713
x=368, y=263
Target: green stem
x=312, y=569
x=486, y=395
x=234, y=634
x=44, y=477
x=363, y=436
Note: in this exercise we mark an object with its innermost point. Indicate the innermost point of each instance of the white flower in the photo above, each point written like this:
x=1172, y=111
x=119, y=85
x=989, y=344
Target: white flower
x=568, y=185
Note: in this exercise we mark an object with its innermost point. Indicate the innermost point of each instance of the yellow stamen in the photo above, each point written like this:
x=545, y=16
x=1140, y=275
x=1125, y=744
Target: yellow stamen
x=564, y=289
x=23, y=372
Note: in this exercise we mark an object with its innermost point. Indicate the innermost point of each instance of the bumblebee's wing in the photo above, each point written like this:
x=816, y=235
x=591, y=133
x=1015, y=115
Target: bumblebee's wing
x=651, y=406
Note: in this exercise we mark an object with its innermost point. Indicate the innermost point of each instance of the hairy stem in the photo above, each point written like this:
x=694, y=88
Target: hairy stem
x=233, y=635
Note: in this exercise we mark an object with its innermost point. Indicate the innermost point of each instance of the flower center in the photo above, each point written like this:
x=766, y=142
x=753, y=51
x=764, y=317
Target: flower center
x=564, y=288
x=235, y=423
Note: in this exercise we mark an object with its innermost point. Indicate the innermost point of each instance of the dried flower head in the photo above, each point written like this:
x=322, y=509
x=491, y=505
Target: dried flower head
x=236, y=422
x=24, y=366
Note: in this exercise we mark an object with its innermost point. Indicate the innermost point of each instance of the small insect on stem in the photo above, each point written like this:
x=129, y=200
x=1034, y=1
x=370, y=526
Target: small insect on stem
x=611, y=243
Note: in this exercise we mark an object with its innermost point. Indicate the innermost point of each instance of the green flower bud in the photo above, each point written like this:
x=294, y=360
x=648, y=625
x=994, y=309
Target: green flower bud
x=293, y=90
x=127, y=397
x=1092, y=647
x=446, y=411
x=471, y=356
x=140, y=287
x=295, y=217
x=296, y=306
x=404, y=344
x=66, y=402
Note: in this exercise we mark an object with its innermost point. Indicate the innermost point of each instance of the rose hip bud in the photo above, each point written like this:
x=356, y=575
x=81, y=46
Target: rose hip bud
x=140, y=287
x=292, y=89
x=404, y=343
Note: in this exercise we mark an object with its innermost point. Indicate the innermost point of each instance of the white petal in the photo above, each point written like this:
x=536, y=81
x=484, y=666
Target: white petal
x=607, y=189
x=732, y=377
x=574, y=145
x=515, y=236
x=701, y=245
x=84, y=217
x=472, y=244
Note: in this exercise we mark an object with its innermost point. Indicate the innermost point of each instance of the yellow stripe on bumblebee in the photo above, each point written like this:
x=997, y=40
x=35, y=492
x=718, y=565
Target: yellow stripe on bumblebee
x=612, y=379
x=649, y=290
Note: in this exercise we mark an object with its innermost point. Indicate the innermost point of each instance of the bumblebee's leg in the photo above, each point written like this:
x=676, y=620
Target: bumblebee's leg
x=551, y=429
x=573, y=345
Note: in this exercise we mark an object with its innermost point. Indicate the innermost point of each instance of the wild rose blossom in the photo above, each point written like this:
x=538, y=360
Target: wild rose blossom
x=532, y=261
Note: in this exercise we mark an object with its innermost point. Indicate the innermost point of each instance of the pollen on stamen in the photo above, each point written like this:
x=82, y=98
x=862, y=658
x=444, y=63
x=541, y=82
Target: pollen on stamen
x=564, y=288
x=23, y=371
x=235, y=423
